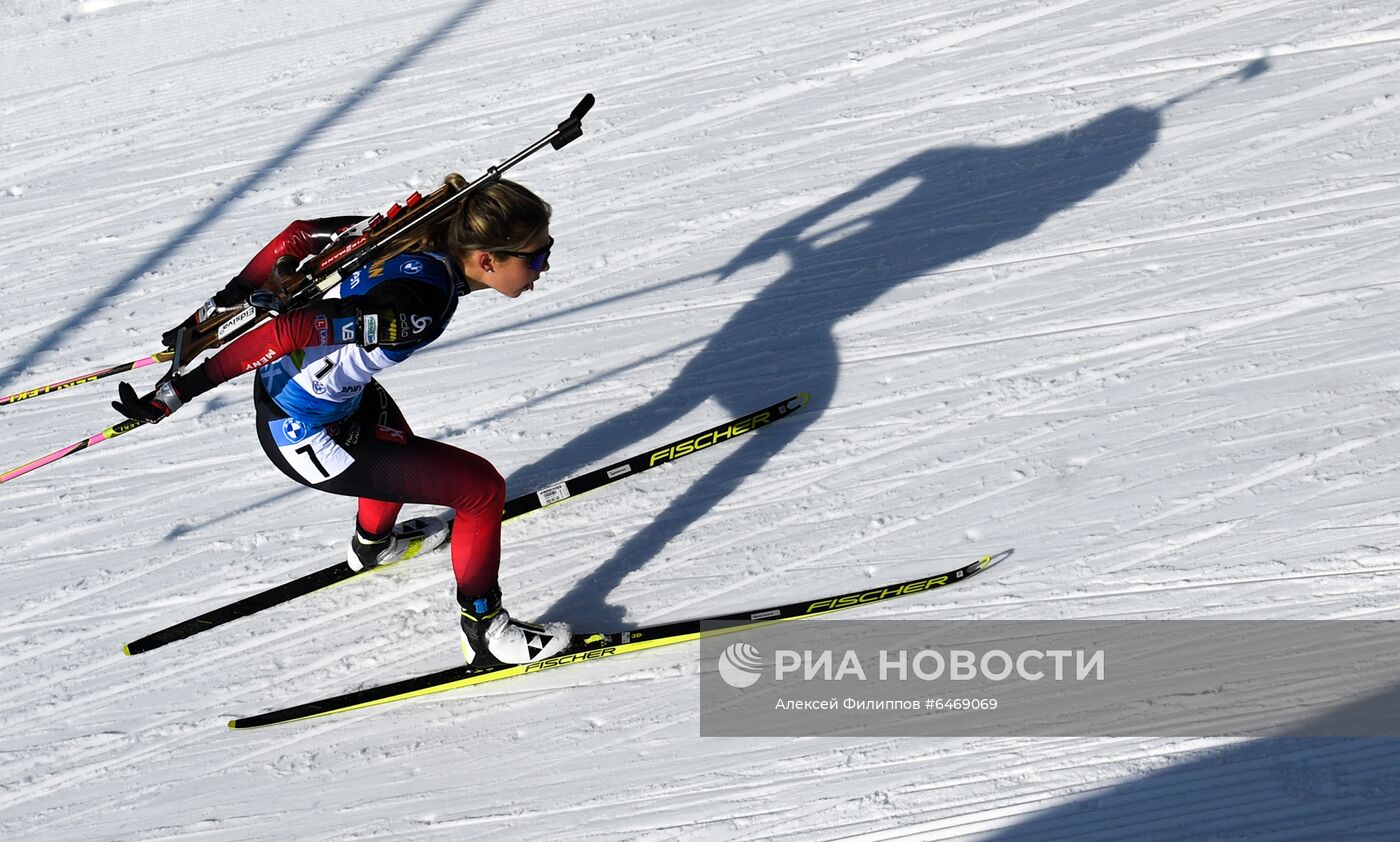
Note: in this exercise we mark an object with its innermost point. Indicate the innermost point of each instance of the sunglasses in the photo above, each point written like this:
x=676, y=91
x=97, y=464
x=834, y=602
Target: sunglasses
x=535, y=259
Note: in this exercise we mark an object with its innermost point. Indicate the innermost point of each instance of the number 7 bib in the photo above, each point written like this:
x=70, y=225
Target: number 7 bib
x=309, y=450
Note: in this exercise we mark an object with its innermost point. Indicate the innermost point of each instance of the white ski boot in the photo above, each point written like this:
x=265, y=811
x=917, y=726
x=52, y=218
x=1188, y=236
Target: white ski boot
x=412, y=537
x=491, y=638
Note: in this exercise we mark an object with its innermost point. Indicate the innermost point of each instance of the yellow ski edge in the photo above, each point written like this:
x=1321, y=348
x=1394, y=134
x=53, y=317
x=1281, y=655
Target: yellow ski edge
x=609, y=651
x=552, y=663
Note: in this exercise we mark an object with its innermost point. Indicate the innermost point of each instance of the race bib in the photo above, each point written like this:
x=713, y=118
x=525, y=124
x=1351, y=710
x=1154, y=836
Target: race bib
x=309, y=450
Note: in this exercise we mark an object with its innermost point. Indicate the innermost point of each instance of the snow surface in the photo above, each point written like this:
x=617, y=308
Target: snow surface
x=1104, y=282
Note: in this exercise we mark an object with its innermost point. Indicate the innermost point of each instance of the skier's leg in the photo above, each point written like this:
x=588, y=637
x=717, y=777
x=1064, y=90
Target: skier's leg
x=371, y=461
x=376, y=518
x=420, y=470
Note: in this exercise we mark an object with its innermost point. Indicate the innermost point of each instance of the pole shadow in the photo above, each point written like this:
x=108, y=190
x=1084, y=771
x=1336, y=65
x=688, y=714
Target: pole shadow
x=951, y=204
x=196, y=226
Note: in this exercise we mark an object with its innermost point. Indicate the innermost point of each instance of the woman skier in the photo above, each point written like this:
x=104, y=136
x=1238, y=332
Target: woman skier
x=325, y=422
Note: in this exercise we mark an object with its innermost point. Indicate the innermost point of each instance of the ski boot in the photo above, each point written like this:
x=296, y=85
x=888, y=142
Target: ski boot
x=491, y=638
x=406, y=540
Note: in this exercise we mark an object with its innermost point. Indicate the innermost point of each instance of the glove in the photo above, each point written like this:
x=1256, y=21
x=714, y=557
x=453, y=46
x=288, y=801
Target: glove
x=272, y=296
x=282, y=281
x=151, y=408
x=232, y=295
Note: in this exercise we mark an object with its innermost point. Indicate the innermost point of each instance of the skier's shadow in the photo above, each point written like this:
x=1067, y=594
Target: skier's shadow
x=1318, y=781
x=947, y=205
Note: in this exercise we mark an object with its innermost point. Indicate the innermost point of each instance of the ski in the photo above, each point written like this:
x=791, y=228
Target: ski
x=286, y=592
x=593, y=647
x=514, y=508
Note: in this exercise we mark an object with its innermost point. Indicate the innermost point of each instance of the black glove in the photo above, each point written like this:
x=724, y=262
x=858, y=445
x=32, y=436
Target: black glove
x=272, y=296
x=234, y=294
x=282, y=281
x=153, y=407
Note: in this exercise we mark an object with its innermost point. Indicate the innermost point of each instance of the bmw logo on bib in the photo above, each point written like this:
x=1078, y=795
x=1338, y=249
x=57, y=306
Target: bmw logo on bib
x=289, y=431
x=293, y=430
x=412, y=267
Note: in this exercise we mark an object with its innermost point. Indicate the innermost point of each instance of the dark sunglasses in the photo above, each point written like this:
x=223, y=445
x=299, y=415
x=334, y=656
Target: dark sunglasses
x=535, y=259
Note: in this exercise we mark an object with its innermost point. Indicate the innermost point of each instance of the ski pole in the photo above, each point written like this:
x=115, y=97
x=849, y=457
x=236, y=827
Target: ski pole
x=154, y=359
x=109, y=433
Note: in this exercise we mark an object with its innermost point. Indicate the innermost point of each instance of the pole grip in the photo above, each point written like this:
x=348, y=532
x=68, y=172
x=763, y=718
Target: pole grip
x=572, y=128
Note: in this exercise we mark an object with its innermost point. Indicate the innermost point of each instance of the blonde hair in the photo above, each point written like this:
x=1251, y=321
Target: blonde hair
x=499, y=217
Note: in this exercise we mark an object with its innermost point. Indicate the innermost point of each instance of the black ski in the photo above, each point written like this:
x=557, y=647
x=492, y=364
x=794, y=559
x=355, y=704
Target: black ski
x=593, y=647
x=524, y=504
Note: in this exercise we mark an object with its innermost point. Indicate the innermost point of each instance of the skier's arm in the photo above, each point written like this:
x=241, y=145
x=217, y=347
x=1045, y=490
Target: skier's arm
x=302, y=238
x=394, y=316
x=359, y=320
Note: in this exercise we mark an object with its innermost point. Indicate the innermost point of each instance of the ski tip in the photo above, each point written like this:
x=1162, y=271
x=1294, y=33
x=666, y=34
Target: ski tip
x=997, y=558
x=126, y=649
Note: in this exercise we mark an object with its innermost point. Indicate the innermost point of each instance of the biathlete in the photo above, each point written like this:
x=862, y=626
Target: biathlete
x=325, y=421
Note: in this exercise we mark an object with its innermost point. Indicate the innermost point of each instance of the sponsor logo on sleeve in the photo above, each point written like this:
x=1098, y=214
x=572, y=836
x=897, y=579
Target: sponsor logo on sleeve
x=345, y=331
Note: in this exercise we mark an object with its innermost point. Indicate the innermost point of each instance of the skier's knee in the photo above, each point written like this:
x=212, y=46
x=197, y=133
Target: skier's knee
x=484, y=489
x=496, y=487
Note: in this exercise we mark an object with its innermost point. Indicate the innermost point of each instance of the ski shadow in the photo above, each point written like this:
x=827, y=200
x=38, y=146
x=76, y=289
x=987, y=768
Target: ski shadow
x=52, y=339
x=948, y=204
x=1308, y=784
